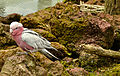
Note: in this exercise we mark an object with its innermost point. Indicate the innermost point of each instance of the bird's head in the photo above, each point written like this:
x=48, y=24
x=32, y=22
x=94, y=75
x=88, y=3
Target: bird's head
x=16, y=28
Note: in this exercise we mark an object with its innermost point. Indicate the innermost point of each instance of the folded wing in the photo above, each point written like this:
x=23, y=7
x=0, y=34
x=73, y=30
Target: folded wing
x=38, y=42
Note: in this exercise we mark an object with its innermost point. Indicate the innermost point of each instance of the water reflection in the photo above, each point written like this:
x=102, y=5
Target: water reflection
x=2, y=8
x=24, y=6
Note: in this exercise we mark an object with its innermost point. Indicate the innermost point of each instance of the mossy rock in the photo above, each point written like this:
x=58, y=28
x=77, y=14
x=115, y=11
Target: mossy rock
x=73, y=1
x=46, y=34
x=4, y=54
x=63, y=52
x=6, y=41
x=36, y=21
x=32, y=64
x=92, y=62
x=10, y=18
x=71, y=26
x=115, y=71
x=116, y=44
x=5, y=38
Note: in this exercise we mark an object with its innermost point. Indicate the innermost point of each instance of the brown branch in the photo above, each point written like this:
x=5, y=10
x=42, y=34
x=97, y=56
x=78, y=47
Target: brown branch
x=99, y=51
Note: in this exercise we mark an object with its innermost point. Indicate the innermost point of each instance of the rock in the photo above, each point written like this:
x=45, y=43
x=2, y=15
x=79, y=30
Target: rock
x=113, y=70
x=116, y=44
x=4, y=54
x=55, y=69
x=22, y=66
x=10, y=18
x=5, y=38
x=31, y=21
x=76, y=71
x=63, y=52
x=40, y=71
x=96, y=2
x=115, y=21
x=71, y=26
x=92, y=62
x=49, y=36
x=68, y=60
x=74, y=1
x=4, y=28
x=34, y=64
x=70, y=63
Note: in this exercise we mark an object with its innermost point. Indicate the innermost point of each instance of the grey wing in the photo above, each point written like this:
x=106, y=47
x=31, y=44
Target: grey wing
x=35, y=33
x=35, y=40
x=30, y=31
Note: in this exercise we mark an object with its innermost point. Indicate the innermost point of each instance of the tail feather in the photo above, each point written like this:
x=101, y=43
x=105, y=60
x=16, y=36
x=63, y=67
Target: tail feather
x=49, y=55
x=51, y=48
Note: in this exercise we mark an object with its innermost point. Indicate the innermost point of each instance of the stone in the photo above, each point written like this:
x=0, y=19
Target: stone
x=46, y=34
x=76, y=71
x=10, y=18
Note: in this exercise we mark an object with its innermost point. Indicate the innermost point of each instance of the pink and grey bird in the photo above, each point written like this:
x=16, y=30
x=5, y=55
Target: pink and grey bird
x=31, y=41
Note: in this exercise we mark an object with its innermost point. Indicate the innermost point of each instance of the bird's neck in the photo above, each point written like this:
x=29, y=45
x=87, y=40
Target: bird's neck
x=17, y=38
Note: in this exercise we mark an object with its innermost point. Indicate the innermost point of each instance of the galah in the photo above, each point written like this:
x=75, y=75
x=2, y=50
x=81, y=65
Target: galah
x=31, y=41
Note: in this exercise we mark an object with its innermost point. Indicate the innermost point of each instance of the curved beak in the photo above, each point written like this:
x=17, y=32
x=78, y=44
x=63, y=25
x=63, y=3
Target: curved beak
x=11, y=30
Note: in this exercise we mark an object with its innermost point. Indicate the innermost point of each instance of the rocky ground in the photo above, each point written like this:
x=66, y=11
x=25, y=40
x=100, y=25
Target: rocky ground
x=68, y=29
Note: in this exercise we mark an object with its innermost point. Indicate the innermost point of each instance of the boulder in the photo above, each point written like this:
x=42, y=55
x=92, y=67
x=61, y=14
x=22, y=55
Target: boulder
x=63, y=52
x=76, y=71
x=71, y=26
x=10, y=18
x=114, y=71
x=46, y=34
x=34, y=64
x=115, y=21
x=36, y=21
x=22, y=66
x=96, y=2
x=5, y=38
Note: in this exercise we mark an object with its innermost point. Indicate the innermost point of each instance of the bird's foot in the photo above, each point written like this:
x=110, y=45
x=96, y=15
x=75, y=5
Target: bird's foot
x=22, y=53
x=31, y=51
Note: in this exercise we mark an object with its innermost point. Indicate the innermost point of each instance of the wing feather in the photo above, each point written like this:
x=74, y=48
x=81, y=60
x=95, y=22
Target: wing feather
x=33, y=39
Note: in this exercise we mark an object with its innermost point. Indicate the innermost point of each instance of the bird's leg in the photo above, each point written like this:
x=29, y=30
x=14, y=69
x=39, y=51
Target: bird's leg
x=22, y=53
x=31, y=51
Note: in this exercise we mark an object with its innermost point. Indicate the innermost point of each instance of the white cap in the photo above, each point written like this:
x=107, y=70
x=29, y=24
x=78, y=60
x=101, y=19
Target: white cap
x=15, y=24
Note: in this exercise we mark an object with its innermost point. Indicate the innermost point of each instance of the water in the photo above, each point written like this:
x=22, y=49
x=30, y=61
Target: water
x=24, y=7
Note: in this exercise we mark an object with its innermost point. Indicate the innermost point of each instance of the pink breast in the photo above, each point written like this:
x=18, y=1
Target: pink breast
x=22, y=43
x=25, y=46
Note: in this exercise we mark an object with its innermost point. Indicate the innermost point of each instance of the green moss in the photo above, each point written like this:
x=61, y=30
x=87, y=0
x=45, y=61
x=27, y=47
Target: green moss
x=45, y=34
x=6, y=41
x=115, y=71
x=73, y=1
x=61, y=48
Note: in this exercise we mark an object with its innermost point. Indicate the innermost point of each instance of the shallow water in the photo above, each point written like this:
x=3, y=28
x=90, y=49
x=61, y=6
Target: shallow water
x=24, y=7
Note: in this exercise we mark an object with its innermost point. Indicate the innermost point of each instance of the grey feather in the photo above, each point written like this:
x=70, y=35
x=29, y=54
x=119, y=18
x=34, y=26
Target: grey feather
x=38, y=42
x=49, y=54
